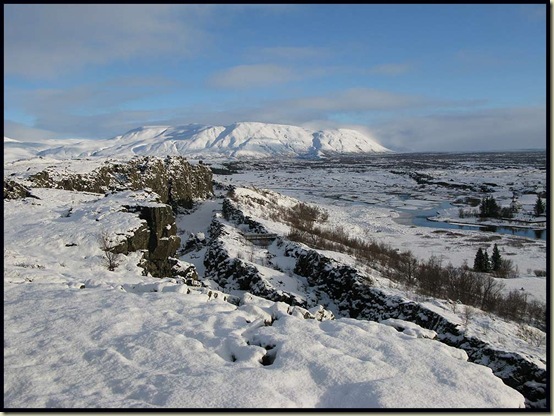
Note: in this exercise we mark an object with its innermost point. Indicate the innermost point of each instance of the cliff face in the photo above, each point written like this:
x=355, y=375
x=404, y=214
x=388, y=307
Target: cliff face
x=177, y=184
x=156, y=238
x=176, y=181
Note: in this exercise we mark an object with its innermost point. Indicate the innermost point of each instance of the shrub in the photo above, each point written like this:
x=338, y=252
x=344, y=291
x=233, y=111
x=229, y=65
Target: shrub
x=110, y=258
x=505, y=269
x=514, y=306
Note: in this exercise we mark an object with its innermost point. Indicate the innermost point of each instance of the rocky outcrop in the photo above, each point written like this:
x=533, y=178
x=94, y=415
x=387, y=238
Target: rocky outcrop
x=358, y=300
x=14, y=190
x=235, y=274
x=177, y=184
x=176, y=181
x=157, y=239
x=232, y=213
x=354, y=297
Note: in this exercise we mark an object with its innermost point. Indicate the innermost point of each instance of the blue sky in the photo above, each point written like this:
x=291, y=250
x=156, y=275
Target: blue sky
x=416, y=77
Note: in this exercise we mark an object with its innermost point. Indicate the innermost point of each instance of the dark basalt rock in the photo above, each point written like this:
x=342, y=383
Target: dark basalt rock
x=156, y=238
x=14, y=190
x=232, y=213
x=177, y=182
x=235, y=274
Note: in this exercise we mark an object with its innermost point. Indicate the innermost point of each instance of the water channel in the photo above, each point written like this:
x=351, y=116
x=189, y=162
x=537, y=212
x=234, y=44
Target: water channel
x=420, y=218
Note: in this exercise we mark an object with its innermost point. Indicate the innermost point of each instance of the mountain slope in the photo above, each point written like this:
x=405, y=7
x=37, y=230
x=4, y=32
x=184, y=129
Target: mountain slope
x=245, y=139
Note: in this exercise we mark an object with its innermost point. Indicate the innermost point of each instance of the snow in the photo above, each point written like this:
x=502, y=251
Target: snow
x=238, y=140
x=78, y=335
x=175, y=350
x=371, y=202
x=499, y=333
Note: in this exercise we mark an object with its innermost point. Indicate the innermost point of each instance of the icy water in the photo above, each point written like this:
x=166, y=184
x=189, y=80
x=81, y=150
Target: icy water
x=420, y=218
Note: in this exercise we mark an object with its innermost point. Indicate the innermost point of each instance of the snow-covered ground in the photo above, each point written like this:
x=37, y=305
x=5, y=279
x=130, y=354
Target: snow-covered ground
x=372, y=202
x=78, y=335
x=502, y=334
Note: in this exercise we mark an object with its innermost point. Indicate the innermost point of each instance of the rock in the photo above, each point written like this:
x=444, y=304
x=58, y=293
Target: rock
x=156, y=237
x=14, y=190
x=235, y=274
x=177, y=182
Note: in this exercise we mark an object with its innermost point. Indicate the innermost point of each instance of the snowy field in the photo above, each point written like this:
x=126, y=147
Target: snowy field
x=79, y=336
x=367, y=198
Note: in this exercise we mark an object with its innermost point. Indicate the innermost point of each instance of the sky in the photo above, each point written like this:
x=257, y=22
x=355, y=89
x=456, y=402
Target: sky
x=416, y=77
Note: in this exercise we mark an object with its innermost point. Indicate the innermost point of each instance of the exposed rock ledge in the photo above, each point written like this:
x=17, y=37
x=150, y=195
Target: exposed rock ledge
x=175, y=180
x=158, y=240
x=177, y=184
x=356, y=299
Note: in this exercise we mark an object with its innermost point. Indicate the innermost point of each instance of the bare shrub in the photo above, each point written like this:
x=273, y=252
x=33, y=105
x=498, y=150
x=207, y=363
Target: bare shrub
x=430, y=277
x=533, y=336
x=491, y=293
x=106, y=245
x=514, y=306
x=536, y=311
x=467, y=315
x=506, y=269
x=540, y=273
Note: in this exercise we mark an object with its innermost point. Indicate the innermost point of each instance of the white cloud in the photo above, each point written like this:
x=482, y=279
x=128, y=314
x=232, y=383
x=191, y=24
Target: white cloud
x=252, y=76
x=42, y=41
x=360, y=99
x=293, y=53
x=483, y=130
x=21, y=132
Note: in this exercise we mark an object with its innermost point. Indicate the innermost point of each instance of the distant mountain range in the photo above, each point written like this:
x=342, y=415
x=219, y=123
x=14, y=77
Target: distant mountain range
x=238, y=140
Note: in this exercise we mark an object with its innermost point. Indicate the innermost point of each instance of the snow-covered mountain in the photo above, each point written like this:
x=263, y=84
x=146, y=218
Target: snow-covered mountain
x=62, y=148
x=238, y=140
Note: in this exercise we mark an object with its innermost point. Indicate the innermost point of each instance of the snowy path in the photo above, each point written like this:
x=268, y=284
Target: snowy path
x=199, y=220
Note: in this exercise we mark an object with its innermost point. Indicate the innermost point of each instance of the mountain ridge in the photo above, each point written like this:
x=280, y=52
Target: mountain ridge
x=238, y=140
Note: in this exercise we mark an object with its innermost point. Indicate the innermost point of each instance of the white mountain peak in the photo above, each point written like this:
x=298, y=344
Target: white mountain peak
x=237, y=140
